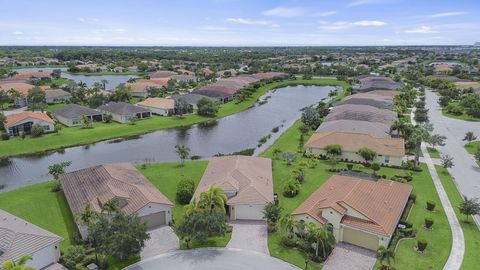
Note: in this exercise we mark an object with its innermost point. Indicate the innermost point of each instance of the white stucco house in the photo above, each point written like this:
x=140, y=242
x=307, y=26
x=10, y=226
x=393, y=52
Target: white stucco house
x=24, y=121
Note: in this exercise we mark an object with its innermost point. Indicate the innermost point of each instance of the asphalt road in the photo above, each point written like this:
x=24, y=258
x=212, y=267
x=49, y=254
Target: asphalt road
x=466, y=172
x=212, y=259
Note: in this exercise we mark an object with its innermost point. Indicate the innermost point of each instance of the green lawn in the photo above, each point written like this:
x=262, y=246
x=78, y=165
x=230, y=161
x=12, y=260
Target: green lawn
x=433, y=153
x=473, y=147
x=462, y=116
x=55, y=106
x=470, y=230
x=73, y=136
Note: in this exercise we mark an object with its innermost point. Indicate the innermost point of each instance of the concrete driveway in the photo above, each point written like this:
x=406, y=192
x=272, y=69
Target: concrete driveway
x=350, y=257
x=466, y=172
x=212, y=259
x=162, y=240
x=249, y=235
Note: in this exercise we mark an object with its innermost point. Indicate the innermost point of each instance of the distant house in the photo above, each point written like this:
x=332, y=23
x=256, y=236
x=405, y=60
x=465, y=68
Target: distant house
x=361, y=212
x=246, y=181
x=119, y=69
x=160, y=106
x=19, y=237
x=162, y=74
x=362, y=113
x=379, y=101
x=21, y=87
x=184, y=78
x=390, y=151
x=71, y=114
x=370, y=83
x=24, y=121
x=122, y=112
x=140, y=88
x=375, y=129
x=57, y=95
x=191, y=99
x=97, y=185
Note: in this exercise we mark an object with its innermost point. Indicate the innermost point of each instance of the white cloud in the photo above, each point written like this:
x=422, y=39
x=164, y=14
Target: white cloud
x=114, y=30
x=368, y=2
x=17, y=33
x=323, y=14
x=421, y=30
x=333, y=26
x=88, y=20
x=213, y=28
x=284, y=12
x=247, y=21
x=448, y=14
x=369, y=23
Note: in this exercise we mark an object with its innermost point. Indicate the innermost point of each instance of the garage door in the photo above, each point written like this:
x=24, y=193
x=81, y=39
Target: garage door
x=155, y=219
x=252, y=212
x=360, y=239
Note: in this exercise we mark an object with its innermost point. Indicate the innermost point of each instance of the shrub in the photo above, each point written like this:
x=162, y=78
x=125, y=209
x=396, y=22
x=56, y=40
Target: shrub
x=421, y=245
x=430, y=205
x=5, y=136
x=56, y=186
x=291, y=189
x=275, y=129
x=428, y=223
x=349, y=167
x=406, y=223
x=413, y=197
x=107, y=118
x=408, y=232
x=185, y=190
x=37, y=131
x=22, y=135
x=73, y=256
x=288, y=242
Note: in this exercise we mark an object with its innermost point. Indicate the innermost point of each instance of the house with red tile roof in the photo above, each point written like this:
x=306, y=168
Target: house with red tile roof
x=24, y=121
x=361, y=212
x=21, y=87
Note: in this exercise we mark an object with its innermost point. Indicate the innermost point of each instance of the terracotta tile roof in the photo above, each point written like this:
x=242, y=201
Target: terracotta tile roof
x=104, y=182
x=19, y=237
x=162, y=74
x=442, y=67
x=355, y=126
x=53, y=93
x=141, y=86
x=13, y=119
x=161, y=103
x=352, y=142
x=250, y=178
x=25, y=75
x=19, y=86
x=381, y=202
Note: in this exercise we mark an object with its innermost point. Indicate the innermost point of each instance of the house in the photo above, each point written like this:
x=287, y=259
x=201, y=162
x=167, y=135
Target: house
x=24, y=121
x=246, y=181
x=390, y=151
x=191, y=99
x=362, y=113
x=57, y=95
x=375, y=129
x=184, y=78
x=140, y=88
x=442, y=68
x=21, y=87
x=370, y=83
x=160, y=106
x=122, y=112
x=97, y=185
x=71, y=114
x=23, y=76
x=19, y=237
x=379, y=101
x=162, y=74
x=119, y=69
x=362, y=212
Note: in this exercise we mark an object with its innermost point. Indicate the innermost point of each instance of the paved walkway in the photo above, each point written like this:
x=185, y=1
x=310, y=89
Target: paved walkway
x=458, y=242
x=161, y=240
x=350, y=257
x=249, y=235
x=466, y=172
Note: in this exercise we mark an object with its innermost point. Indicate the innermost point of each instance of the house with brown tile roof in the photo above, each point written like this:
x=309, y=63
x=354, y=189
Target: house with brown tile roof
x=140, y=88
x=362, y=212
x=97, y=185
x=375, y=129
x=247, y=183
x=24, y=121
x=162, y=74
x=19, y=237
x=160, y=106
x=20, y=87
x=390, y=151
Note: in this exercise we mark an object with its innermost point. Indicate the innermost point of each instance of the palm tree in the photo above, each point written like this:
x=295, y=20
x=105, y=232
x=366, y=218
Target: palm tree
x=111, y=206
x=323, y=238
x=213, y=199
x=104, y=83
x=19, y=264
x=398, y=126
x=183, y=152
x=418, y=135
x=87, y=217
x=287, y=224
x=189, y=208
x=86, y=123
x=385, y=256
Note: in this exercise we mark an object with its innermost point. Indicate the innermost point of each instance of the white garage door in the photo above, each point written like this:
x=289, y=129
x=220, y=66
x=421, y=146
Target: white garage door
x=155, y=219
x=252, y=211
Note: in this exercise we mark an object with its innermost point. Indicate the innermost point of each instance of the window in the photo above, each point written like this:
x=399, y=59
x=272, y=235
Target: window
x=387, y=159
x=47, y=127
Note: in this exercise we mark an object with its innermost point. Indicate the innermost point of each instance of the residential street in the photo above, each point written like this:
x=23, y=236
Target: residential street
x=466, y=172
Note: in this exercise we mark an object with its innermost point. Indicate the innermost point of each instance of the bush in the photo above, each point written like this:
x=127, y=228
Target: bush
x=349, y=167
x=288, y=242
x=185, y=190
x=408, y=232
x=454, y=109
x=5, y=136
x=73, y=256
x=428, y=223
x=56, y=186
x=107, y=118
x=291, y=189
x=413, y=197
x=421, y=245
x=430, y=205
x=406, y=223
x=22, y=135
x=37, y=131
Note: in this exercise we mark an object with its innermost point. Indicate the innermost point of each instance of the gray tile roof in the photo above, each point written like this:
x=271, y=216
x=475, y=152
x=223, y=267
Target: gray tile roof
x=72, y=111
x=190, y=98
x=355, y=126
x=19, y=237
x=361, y=113
x=122, y=108
x=371, y=83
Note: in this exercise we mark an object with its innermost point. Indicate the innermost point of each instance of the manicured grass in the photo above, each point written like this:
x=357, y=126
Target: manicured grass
x=53, y=107
x=76, y=136
x=46, y=209
x=433, y=153
x=470, y=230
x=462, y=116
x=114, y=264
x=473, y=147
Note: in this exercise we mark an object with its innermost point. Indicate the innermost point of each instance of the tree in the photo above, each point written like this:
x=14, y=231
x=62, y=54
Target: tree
x=385, y=256
x=73, y=256
x=3, y=121
x=123, y=94
x=367, y=154
x=375, y=166
x=289, y=157
x=333, y=149
x=153, y=91
x=111, y=206
x=333, y=161
x=304, y=129
x=291, y=188
x=182, y=106
x=36, y=131
x=104, y=84
x=133, y=120
x=4, y=98
x=287, y=224
x=107, y=118
x=56, y=73
x=86, y=122
x=436, y=139
x=322, y=238
x=212, y=200
x=469, y=207
x=299, y=174
x=185, y=191
x=36, y=99
x=447, y=161
x=183, y=152
x=19, y=264
x=272, y=212
x=58, y=168
x=311, y=117
x=207, y=107
x=470, y=136
x=88, y=219
x=419, y=134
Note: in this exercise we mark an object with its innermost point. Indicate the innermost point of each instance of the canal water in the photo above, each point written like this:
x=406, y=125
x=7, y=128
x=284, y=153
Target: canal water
x=227, y=135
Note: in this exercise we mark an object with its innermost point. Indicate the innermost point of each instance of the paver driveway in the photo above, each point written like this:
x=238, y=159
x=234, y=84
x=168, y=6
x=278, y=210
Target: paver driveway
x=249, y=235
x=162, y=240
x=350, y=257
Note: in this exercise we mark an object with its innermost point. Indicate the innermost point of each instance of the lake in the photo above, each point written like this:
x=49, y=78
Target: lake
x=230, y=134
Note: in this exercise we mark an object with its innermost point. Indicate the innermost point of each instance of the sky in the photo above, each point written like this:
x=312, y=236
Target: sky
x=239, y=22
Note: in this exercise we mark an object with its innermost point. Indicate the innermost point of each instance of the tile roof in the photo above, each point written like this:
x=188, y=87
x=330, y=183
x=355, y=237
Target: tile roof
x=190, y=97
x=250, y=178
x=162, y=74
x=381, y=202
x=19, y=86
x=141, y=86
x=74, y=111
x=352, y=142
x=370, y=83
x=104, y=182
x=379, y=101
x=161, y=103
x=362, y=113
x=19, y=237
x=355, y=126
x=122, y=108
x=13, y=119
x=53, y=93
